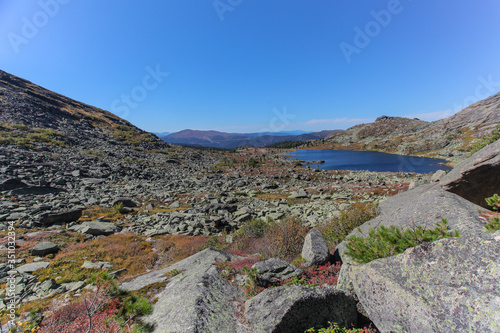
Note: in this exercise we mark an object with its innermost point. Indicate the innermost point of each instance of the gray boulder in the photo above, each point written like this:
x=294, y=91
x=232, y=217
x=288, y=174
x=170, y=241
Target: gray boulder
x=298, y=308
x=315, y=250
x=64, y=217
x=12, y=183
x=96, y=228
x=44, y=248
x=126, y=202
x=477, y=177
x=444, y=286
x=300, y=194
x=274, y=270
x=34, y=266
x=197, y=300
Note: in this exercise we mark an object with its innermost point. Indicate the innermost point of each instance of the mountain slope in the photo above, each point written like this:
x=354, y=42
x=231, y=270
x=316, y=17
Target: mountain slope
x=448, y=138
x=22, y=102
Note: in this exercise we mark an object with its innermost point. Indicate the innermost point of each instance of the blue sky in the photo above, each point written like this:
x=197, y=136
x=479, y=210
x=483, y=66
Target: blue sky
x=260, y=65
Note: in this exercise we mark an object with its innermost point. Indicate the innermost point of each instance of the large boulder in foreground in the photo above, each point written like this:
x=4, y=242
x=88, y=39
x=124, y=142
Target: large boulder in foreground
x=478, y=177
x=297, y=308
x=424, y=206
x=197, y=300
x=451, y=285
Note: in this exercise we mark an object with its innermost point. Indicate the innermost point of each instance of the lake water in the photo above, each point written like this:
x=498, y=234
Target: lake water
x=369, y=160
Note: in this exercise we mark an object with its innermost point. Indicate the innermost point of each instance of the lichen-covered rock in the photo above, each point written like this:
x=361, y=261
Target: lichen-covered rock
x=298, y=308
x=478, y=177
x=451, y=285
x=274, y=270
x=315, y=250
x=197, y=300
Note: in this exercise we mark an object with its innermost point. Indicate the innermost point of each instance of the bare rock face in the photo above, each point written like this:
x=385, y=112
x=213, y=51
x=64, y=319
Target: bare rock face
x=478, y=177
x=450, y=285
x=297, y=308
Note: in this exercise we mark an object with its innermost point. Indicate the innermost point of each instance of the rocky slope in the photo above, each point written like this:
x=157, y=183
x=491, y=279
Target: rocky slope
x=448, y=138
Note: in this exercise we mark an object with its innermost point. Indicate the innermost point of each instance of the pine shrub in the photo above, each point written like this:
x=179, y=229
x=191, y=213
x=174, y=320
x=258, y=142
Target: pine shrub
x=384, y=242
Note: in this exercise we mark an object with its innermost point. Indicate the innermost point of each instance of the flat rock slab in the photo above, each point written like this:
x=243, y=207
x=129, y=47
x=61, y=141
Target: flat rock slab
x=34, y=266
x=297, y=308
x=476, y=178
x=197, y=300
x=97, y=228
x=63, y=217
x=44, y=248
x=451, y=285
x=207, y=256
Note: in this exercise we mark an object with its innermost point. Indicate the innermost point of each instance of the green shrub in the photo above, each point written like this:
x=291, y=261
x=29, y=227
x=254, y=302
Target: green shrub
x=486, y=140
x=494, y=201
x=384, y=242
x=337, y=229
x=493, y=225
x=335, y=328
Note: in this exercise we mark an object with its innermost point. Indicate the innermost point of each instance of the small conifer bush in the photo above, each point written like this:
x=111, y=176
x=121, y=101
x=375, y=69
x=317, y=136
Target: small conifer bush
x=384, y=242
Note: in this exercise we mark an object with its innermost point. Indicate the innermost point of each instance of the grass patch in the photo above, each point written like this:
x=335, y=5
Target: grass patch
x=24, y=136
x=384, y=242
x=121, y=250
x=131, y=135
x=335, y=328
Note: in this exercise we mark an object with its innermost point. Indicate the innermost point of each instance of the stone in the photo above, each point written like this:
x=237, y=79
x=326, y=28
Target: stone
x=274, y=270
x=438, y=175
x=44, y=248
x=98, y=265
x=300, y=194
x=444, y=286
x=175, y=204
x=127, y=202
x=11, y=184
x=197, y=300
x=477, y=177
x=315, y=250
x=291, y=309
x=34, y=266
x=64, y=217
x=96, y=228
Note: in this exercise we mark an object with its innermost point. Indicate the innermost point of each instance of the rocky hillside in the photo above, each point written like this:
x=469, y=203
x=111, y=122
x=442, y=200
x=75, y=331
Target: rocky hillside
x=448, y=138
x=81, y=125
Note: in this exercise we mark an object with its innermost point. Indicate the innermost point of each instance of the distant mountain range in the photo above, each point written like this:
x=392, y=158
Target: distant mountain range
x=217, y=139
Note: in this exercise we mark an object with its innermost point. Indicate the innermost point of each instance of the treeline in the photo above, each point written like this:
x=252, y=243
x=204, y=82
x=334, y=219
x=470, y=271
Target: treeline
x=289, y=144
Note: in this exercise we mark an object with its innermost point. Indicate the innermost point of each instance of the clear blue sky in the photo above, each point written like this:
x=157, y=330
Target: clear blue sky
x=252, y=65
